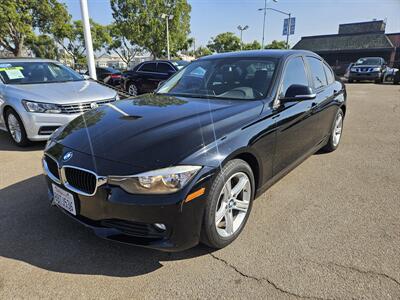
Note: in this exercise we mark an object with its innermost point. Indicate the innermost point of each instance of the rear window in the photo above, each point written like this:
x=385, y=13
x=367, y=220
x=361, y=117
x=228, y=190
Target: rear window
x=329, y=74
x=148, y=67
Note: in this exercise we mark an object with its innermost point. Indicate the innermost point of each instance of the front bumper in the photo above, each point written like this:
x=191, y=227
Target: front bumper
x=119, y=216
x=365, y=76
x=35, y=123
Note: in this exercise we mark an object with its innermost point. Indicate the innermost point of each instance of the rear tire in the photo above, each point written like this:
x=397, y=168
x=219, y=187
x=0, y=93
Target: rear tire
x=336, y=133
x=16, y=128
x=228, y=209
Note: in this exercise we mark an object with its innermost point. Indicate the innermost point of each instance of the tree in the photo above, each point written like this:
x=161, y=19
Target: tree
x=202, y=51
x=255, y=45
x=121, y=46
x=43, y=46
x=21, y=18
x=71, y=38
x=276, y=45
x=140, y=22
x=224, y=42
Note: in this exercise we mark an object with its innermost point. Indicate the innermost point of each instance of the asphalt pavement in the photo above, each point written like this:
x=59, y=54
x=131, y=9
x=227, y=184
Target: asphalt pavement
x=330, y=229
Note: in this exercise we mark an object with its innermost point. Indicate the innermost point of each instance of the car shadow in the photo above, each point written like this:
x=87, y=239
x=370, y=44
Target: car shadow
x=6, y=144
x=36, y=233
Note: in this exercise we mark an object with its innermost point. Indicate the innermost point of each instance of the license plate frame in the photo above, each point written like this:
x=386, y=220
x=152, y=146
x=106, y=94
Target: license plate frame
x=64, y=199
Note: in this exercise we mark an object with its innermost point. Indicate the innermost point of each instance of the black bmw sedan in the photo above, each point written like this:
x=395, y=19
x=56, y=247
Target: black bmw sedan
x=183, y=165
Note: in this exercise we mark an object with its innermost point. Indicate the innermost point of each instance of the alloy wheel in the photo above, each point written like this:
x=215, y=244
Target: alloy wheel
x=233, y=204
x=14, y=127
x=337, y=131
x=132, y=90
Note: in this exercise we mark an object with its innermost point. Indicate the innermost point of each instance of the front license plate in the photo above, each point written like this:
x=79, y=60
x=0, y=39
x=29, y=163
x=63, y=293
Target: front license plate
x=64, y=199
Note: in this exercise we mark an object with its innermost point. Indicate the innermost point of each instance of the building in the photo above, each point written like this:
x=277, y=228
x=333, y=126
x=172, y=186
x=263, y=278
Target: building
x=114, y=61
x=354, y=40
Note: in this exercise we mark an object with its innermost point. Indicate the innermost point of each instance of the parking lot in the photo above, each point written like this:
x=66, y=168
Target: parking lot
x=328, y=230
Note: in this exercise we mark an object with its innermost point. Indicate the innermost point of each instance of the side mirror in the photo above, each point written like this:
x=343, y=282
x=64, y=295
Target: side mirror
x=298, y=92
x=86, y=77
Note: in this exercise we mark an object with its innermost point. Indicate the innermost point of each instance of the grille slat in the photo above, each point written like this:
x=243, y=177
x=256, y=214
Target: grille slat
x=82, y=107
x=81, y=180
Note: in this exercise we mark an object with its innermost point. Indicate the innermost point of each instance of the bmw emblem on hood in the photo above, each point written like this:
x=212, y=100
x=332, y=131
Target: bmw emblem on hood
x=67, y=156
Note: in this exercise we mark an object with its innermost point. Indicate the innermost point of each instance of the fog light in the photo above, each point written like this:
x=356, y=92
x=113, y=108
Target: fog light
x=160, y=226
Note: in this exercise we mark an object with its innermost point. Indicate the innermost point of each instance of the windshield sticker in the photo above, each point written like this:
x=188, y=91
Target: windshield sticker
x=14, y=73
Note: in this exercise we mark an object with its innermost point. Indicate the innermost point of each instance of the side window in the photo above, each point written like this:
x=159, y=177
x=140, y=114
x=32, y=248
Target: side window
x=329, y=74
x=148, y=67
x=295, y=73
x=317, y=72
x=164, y=68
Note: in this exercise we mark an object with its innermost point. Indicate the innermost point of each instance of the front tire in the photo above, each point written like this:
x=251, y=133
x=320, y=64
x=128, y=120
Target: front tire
x=229, y=204
x=16, y=128
x=336, y=132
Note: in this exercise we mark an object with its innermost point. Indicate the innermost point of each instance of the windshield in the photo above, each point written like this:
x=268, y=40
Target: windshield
x=369, y=61
x=36, y=72
x=228, y=78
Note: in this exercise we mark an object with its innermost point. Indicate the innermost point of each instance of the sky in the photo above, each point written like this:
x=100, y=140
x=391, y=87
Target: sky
x=313, y=17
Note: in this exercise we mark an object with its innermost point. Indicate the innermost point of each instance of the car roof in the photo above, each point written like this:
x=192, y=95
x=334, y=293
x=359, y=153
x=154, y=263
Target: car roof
x=25, y=59
x=258, y=53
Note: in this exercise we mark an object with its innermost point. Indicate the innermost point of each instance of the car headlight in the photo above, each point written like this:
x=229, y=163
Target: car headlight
x=376, y=69
x=162, y=181
x=353, y=69
x=40, y=107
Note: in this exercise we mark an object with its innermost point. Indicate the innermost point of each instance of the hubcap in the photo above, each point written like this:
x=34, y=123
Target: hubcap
x=233, y=204
x=14, y=127
x=337, y=131
x=132, y=90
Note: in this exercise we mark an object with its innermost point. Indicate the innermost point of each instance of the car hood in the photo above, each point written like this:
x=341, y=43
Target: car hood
x=155, y=131
x=62, y=92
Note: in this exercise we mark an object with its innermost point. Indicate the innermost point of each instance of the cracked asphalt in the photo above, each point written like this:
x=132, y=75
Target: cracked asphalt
x=329, y=230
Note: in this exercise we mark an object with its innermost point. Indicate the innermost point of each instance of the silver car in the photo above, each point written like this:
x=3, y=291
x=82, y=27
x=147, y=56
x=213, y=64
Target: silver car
x=37, y=96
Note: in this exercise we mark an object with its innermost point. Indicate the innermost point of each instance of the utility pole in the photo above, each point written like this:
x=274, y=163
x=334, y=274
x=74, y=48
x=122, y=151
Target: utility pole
x=88, y=39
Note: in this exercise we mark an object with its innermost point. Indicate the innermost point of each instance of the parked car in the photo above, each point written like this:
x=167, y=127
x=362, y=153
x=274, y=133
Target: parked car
x=396, y=78
x=108, y=75
x=37, y=96
x=145, y=77
x=389, y=74
x=368, y=68
x=183, y=165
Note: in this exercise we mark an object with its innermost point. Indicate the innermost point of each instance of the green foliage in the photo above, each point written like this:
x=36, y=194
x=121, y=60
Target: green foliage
x=121, y=46
x=255, y=45
x=43, y=46
x=140, y=22
x=276, y=45
x=71, y=38
x=224, y=42
x=202, y=51
x=20, y=18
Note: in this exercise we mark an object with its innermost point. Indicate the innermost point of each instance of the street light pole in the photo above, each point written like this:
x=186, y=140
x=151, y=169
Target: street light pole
x=241, y=34
x=88, y=39
x=265, y=14
x=167, y=18
x=288, y=32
